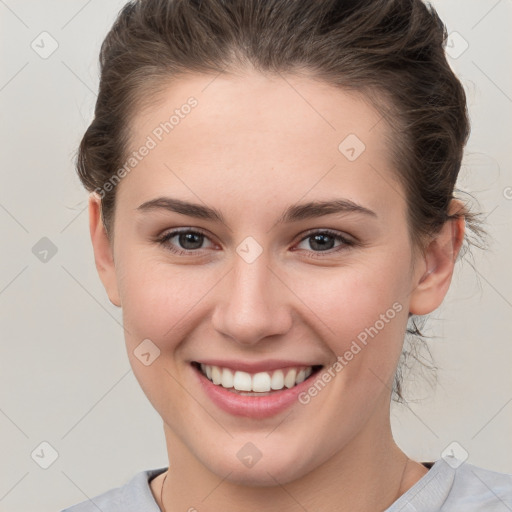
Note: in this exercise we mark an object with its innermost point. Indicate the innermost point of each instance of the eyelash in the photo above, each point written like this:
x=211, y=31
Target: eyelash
x=346, y=243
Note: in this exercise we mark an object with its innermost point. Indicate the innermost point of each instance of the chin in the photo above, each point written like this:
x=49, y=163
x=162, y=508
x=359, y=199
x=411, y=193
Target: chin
x=265, y=475
x=278, y=466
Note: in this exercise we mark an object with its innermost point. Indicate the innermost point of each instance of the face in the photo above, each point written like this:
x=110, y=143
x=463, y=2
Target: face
x=240, y=269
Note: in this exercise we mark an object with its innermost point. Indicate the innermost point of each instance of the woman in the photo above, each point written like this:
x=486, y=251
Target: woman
x=272, y=206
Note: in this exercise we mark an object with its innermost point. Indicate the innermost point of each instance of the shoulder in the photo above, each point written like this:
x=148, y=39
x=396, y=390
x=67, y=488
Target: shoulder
x=475, y=488
x=134, y=496
x=452, y=485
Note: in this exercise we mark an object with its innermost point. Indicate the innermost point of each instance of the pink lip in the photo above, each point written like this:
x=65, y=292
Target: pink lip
x=258, y=407
x=261, y=366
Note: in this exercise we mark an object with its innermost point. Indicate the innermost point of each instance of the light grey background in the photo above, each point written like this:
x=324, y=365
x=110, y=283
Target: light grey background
x=64, y=375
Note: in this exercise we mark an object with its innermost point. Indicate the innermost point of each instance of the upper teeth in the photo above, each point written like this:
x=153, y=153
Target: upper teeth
x=258, y=382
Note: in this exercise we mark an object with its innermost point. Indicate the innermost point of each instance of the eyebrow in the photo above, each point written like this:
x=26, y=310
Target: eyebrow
x=293, y=213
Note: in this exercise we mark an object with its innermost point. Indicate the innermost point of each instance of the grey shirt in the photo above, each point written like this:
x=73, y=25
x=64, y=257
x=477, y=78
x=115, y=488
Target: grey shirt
x=447, y=487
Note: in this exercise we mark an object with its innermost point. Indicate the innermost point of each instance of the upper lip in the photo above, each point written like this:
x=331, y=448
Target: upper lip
x=255, y=367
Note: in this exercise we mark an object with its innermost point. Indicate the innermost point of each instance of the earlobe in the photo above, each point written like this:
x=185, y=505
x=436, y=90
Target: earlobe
x=438, y=266
x=103, y=251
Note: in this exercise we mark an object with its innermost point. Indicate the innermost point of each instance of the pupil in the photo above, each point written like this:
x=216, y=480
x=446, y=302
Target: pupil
x=318, y=238
x=187, y=238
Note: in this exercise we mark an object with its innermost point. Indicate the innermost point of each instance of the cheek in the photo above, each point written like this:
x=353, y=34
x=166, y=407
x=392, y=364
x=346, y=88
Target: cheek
x=158, y=303
x=348, y=300
x=362, y=315
x=157, y=298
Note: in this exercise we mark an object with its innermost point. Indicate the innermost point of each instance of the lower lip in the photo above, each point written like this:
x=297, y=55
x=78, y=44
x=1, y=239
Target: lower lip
x=252, y=406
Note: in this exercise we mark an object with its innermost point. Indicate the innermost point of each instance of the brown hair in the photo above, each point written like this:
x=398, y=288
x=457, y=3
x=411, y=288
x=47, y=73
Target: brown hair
x=391, y=51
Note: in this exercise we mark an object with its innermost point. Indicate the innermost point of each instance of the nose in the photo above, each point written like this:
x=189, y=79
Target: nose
x=253, y=303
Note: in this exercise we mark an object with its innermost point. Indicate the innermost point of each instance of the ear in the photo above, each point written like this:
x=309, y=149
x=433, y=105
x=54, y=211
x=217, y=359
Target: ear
x=436, y=270
x=103, y=252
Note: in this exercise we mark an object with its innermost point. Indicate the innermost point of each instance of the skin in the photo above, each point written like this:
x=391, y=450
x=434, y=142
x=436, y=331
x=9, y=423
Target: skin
x=254, y=145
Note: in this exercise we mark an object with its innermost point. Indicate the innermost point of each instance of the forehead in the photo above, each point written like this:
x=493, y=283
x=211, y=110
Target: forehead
x=259, y=136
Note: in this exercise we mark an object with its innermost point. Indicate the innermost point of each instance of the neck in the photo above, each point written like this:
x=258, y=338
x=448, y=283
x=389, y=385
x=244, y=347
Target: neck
x=368, y=474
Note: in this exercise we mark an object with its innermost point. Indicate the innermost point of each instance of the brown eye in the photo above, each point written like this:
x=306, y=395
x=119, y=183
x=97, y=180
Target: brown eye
x=324, y=241
x=187, y=241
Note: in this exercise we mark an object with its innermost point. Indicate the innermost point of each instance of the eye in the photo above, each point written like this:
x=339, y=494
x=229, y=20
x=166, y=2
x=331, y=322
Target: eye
x=323, y=240
x=189, y=240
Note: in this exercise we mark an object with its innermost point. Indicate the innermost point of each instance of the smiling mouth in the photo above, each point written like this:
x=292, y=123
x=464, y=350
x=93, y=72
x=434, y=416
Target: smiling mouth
x=255, y=384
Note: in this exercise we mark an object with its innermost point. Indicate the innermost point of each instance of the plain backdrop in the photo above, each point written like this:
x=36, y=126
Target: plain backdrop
x=65, y=380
